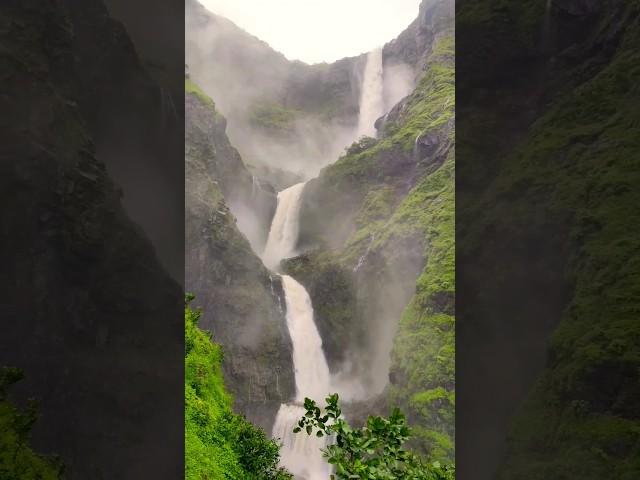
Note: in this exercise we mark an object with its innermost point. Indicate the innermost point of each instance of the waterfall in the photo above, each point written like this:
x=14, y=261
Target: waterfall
x=301, y=453
x=310, y=365
x=372, y=94
x=283, y=234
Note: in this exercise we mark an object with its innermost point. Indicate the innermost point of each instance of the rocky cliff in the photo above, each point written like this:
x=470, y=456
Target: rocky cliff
x=378, y=230
x=134, y=116
x=548, y=212
x=88, y=312
x=243, y=303
x=287, y=115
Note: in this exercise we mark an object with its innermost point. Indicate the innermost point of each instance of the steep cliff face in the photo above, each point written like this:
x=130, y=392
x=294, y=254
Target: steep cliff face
x=378, y=228
x=283, y=116
x=561, y=137
x=413, y=45
x=88, y=313
x=135, y=120
x=287, y=115
x=243, y=304
x=252, y=201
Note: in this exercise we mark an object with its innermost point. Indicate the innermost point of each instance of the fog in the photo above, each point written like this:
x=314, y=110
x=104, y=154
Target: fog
x=242, y=74
x=313, y=31
x=324, y=108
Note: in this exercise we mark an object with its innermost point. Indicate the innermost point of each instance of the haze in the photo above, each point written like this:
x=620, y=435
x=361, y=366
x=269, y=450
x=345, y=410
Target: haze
x=317, y=31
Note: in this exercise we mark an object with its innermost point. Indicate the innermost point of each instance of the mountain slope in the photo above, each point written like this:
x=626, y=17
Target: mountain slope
x=242, y=302
x=287, y=115
x=551, y=219
x=88, y=312
x=381, y=221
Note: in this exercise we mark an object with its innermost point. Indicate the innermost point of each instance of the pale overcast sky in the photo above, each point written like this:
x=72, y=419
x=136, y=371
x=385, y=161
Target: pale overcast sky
x=319, y=30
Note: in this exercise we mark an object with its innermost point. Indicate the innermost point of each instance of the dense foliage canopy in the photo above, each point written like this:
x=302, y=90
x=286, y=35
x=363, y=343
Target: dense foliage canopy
x=373, y=452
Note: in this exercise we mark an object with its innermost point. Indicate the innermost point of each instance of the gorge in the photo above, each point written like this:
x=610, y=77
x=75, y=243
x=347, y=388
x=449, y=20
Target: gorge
x=301, y=454
x=357, y=259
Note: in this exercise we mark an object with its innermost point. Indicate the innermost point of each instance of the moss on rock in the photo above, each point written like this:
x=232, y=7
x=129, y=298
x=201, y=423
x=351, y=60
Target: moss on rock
x=382, y=220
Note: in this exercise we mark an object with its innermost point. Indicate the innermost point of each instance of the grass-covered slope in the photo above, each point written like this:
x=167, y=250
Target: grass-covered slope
x=379, y=224
x=218, y=443
x=17, y=459
x=423, y=365
x=560, y=216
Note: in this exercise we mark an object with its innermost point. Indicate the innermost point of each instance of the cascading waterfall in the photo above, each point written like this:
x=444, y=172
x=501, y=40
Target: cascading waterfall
x=372, y=95
x=283, y=234
x=300, y=453
x=310, y=364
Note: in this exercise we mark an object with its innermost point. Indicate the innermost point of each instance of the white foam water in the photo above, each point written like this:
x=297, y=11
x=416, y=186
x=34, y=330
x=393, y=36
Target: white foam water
x=285, y=227
x=371, y=95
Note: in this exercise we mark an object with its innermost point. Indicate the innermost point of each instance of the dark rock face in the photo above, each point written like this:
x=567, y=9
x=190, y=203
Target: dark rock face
x=334, y=300
x=579, y=7
x=88, y=312
x=243, y=304
x=413, y=45
x=547, y=280
x=253, y=200
x=135, y=120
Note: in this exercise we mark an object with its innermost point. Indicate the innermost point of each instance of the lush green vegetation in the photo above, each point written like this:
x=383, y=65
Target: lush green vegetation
x=373, y=452
x=191, y=87
x=578, y=163
x=428, y=109
x=588, y=391
x=365, y=199
x=17, y=460
x=424, y=347
x=218, y=443
x=273, y=117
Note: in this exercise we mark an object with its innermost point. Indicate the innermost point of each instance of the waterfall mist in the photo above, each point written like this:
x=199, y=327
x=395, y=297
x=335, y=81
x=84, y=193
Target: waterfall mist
x=325, y=108
x=243, y=74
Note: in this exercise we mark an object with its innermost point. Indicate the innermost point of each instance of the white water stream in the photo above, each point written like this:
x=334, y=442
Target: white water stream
x=301, y=453
x=283, y=234
x=372, y=94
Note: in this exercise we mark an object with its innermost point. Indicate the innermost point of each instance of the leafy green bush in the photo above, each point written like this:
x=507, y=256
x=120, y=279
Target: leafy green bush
x=218, y=443
x=17, y=460
x=361, y=145
x=373, y=452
